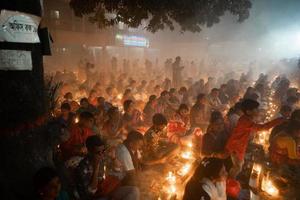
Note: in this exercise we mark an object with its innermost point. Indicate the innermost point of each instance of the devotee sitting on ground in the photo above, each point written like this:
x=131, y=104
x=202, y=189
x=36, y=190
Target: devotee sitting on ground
x=295, y=118
x=238, y=141
x=216, y=136
x=233, y=116
x=223, y=96
x=93, y=98
x=150, y=110
x=128, y=95
x=292, y=102
x=93, y=183
x=214, y=101
x=157, y=146
x=113, y=127
x=74, y=146
x=132, y=118
x=129, y=155
x=69, y=99
x=285, y=112
x=163, y=104
x=198, y=113
x=208, y=181
x=48, y=186
x=179, y=125
x=66, y=116
x=85, y=106
x=284, y=148
x=173, y=96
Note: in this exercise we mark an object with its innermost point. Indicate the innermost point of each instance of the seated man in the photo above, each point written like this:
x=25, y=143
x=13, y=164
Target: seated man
x=283, y=148
x=157, y=147
x=128, y=154
x=150, y=110
x=216, y=136
x=214, y=101
x=132, y=118
x=74, y=146
x=66, y=116
x=91, y=179
x=85, y=106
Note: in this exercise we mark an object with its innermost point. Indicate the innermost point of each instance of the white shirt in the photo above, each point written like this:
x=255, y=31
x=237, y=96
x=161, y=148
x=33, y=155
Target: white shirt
x=123, y=155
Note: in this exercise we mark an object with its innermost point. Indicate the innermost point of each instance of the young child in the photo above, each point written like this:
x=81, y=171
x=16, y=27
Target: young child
x=237, y=143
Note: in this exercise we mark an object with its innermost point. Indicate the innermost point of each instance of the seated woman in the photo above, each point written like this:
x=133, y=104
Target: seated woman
x=179, y=125
x=284, y=146
x=216, y=136
x=208, y=181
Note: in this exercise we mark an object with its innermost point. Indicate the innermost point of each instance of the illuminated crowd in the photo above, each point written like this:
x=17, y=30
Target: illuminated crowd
x=194, y=136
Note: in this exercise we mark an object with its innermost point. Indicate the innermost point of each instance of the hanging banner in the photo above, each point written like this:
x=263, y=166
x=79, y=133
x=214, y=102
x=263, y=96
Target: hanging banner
x=19, y=27
x=15, y=60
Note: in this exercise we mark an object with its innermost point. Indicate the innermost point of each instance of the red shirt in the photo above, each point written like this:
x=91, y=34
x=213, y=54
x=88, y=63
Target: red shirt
x=239, y=138
x=78, y=136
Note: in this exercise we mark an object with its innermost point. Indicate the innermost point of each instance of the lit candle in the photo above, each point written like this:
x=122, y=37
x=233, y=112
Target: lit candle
x=269, y=187
x=187, y=155
x=172, y=189
x=171, y=178
x=185, y=169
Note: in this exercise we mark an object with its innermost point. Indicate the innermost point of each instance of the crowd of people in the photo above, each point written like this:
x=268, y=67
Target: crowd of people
x=121, y=125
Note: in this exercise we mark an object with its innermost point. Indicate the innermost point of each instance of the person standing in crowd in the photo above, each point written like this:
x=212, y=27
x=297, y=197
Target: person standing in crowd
x=114, y=64
x=208, y=181
x=177, y=72
x=91, y=177
x=238, y=141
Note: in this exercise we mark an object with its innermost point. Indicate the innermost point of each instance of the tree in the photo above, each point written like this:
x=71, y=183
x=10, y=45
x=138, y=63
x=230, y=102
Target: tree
x=191, y=15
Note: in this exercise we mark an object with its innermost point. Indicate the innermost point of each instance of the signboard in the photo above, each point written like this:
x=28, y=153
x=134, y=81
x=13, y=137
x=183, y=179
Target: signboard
x=15, y=60
x=19, y=27
x=132, y=40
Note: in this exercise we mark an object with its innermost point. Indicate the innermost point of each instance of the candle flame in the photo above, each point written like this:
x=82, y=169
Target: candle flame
x=187, y=155
x=268, y=186
x=185, y=169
